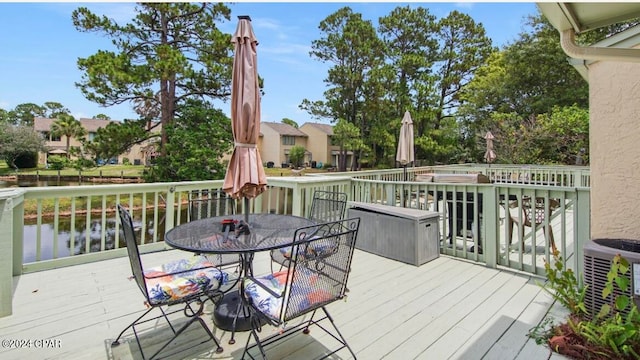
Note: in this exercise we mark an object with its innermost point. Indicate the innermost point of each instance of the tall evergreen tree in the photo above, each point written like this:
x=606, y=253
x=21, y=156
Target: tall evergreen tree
x=169, y=53
x=352, y=45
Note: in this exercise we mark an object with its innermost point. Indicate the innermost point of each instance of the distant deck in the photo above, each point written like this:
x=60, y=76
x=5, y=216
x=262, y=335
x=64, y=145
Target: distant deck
x=445, y=309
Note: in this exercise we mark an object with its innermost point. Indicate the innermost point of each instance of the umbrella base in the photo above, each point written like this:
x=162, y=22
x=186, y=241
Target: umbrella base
x=232, y=314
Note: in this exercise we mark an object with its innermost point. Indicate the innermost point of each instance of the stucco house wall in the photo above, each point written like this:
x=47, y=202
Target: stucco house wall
x=91, y=126
x=614, y=97
x=318, y=142
x=270, y=146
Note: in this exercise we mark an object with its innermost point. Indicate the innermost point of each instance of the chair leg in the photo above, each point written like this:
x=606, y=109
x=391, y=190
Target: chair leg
x=232, y=340
x=256, y=338
x=194, y=316
x=549, y=230
x=510, y=225
x=117, y=340
x=342, y=339
x=219, y=349
x=521, y=234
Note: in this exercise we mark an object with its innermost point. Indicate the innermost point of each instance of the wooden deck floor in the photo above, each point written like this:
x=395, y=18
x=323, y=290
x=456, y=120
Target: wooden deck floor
x=445, y=309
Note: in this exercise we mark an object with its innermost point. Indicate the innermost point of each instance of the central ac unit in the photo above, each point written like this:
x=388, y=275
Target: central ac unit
x=598, y=256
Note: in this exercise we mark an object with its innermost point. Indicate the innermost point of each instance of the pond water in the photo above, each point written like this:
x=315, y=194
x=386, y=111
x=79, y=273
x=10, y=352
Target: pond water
x=65, y=247
x=28, y=183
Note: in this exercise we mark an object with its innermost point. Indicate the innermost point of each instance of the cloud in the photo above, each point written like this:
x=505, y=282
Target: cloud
x=465, y=5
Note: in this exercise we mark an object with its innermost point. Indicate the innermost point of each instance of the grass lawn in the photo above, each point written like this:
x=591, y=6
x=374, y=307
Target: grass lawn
x=106, y=170
x=125, y=170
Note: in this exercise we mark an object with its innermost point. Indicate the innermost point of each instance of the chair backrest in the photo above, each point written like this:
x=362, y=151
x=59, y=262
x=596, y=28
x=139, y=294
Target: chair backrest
x=328, y=206
x=319, y=272
x=535, y=211
x=214, y=203
x=132, y=248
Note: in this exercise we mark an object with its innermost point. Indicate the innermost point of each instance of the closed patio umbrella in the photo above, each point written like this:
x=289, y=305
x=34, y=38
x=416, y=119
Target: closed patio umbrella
x=405, y=154
x=245, y=175
x=489, y=155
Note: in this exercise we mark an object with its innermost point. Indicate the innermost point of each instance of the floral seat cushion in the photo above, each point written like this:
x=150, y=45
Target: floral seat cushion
x=322, y=249
x=305, y=291
x=181, y=278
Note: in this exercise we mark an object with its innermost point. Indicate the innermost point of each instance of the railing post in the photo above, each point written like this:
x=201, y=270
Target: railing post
x=12, y=222
x=582, y=226
x=170, y=219
x=296, y=201
x=390, y=194
x=490, y=224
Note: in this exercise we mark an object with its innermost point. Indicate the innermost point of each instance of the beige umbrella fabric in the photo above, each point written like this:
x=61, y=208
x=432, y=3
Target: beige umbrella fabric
x=405, y=154
x=489, y=155
x=245, y=175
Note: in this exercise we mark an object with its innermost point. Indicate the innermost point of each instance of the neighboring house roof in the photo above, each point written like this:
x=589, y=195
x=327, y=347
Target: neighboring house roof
x=284, y=129
x=91, y=125
x=327, y=129
x=42, y=124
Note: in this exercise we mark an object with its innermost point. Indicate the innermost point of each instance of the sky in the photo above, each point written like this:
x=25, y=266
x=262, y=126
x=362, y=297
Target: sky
x=39, y=48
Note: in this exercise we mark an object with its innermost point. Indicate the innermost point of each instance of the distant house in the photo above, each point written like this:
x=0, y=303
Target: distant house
x=321, y=143
x=276, y=142
x=56, y=145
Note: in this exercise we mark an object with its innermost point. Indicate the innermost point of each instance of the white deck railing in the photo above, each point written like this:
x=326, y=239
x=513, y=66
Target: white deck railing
x=158, y=207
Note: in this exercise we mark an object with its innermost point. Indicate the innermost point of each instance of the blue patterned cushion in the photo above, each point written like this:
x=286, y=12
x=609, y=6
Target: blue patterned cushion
x=320, y=248
x=176, y=280
x=272, y=305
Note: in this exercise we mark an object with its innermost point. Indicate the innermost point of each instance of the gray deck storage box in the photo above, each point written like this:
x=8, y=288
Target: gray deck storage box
x=407, y=235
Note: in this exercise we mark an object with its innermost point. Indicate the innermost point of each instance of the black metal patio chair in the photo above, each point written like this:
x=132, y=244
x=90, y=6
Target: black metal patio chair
x=208, y=204
x=188, y=282
x=317, y=276
x=215, y=203
x=325, y=206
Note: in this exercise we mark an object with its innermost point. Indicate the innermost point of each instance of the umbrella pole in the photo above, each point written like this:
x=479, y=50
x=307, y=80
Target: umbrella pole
x=246, y=210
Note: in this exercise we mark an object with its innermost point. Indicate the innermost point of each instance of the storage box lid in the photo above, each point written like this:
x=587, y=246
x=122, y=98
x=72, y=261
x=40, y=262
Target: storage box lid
x=415, y=214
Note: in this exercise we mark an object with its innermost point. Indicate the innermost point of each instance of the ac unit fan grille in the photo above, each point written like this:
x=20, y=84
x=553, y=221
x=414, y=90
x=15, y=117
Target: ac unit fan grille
x=597, y=263
x=596, y=278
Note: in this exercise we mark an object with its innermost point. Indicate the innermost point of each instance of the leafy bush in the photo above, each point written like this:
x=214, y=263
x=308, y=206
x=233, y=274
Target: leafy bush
x=82, y=163
x=614, y=333
x=296, y=155
x=57, y=162
x=125, y=161
x=26, y=160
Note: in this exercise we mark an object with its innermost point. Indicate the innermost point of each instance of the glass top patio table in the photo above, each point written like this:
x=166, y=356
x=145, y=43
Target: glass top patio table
x=210, y=235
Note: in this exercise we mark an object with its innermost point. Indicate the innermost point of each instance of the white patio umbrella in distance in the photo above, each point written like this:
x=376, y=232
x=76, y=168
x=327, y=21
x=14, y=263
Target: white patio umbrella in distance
x=405, y=154
x=489, y=154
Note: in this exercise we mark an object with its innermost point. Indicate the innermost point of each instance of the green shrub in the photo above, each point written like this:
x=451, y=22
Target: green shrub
x=82, y=163
x=125, y=161
x=57, y=162
x=614, y=333
x=27, y=160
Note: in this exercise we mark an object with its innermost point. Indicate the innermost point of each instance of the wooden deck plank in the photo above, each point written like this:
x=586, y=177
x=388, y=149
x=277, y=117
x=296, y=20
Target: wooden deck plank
x=475, y=322
x=496, y=325
x=517, y=332
x=447, y=308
